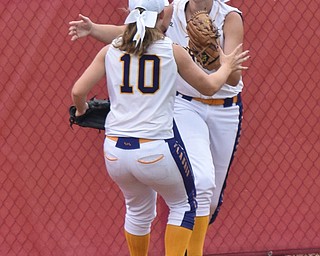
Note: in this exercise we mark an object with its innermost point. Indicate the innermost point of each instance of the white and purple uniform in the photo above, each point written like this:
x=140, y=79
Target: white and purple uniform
x=210, y=132
x=141, y=154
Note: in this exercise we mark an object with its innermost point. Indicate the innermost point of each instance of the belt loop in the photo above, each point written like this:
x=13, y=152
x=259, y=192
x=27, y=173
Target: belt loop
x=228, y=102
x=128, y=143
x=188, y=98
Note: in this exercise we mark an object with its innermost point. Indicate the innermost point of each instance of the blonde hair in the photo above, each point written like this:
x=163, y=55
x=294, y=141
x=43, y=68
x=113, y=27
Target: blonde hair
x=128, y=45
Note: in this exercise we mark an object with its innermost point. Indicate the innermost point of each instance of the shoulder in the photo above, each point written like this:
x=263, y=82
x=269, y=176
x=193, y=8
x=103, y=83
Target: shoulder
x=103, y=52
x=234, y=16
x=105, y=49
x=161, y=47
x=180, y=54
x=233, y=22
x=225, y=9
x=167, y=40
x=163, y=41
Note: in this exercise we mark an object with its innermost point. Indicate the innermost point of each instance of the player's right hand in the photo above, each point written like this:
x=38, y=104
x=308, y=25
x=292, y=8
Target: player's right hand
x=80, y=28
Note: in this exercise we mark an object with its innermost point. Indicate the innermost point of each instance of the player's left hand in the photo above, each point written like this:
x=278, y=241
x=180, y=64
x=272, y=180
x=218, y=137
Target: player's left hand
x=93, y=116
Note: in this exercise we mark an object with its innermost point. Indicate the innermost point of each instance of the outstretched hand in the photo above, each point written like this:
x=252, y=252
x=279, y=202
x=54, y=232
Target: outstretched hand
x=234, y=59
x=80, y=28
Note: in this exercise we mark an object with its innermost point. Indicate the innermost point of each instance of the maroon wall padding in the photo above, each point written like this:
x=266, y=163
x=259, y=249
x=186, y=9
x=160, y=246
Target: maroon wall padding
x=56, y=198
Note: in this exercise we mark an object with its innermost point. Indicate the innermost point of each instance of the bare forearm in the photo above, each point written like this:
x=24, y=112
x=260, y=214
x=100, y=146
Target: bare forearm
x=218, y=79
x=210, y=84
x=106, y=33
x=80, y=103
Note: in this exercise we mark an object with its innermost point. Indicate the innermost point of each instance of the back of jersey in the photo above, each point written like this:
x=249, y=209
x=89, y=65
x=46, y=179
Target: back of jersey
x=142, y=92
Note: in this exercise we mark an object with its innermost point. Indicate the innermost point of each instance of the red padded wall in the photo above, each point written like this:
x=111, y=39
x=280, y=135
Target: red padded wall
x=55, y=195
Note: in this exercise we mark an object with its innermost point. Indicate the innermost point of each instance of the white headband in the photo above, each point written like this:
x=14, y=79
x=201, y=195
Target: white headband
x=143, y=20
x=133, y=3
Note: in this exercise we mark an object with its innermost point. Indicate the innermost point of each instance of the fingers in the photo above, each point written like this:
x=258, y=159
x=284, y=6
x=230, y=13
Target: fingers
x=243, y=54
x=80, y=28
x=221, y=52
x=243, y=68
x=242, y=58
x=73, y=33
x=74, y=38
x=84, y=18
x=73, y=28
x=75, y=22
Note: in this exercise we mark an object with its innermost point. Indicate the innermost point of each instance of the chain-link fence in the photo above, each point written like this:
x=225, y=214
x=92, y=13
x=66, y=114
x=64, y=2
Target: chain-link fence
x=55, y=196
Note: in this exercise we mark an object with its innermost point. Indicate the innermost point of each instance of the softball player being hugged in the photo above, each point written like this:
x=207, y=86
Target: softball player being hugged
x=142, y=154
x=210, y=125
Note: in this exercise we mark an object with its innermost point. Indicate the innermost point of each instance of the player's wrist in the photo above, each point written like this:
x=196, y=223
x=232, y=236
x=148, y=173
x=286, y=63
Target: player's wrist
x=81, y=110
x=226, y=68
x=93, y=29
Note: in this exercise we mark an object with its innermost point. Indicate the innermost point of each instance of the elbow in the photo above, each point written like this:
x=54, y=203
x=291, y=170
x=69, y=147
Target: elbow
x=212, y=87
x=76, y=92
x=209, y=90
x=207, y=87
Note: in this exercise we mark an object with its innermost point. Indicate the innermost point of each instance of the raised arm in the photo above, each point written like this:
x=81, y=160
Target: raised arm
x=168, y=10
x=209, y=84
x=102, y=32
x=107, y=32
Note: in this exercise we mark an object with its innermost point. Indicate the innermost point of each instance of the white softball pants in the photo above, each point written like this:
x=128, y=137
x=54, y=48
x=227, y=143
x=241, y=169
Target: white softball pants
x=210, y=134
x=156, y=166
